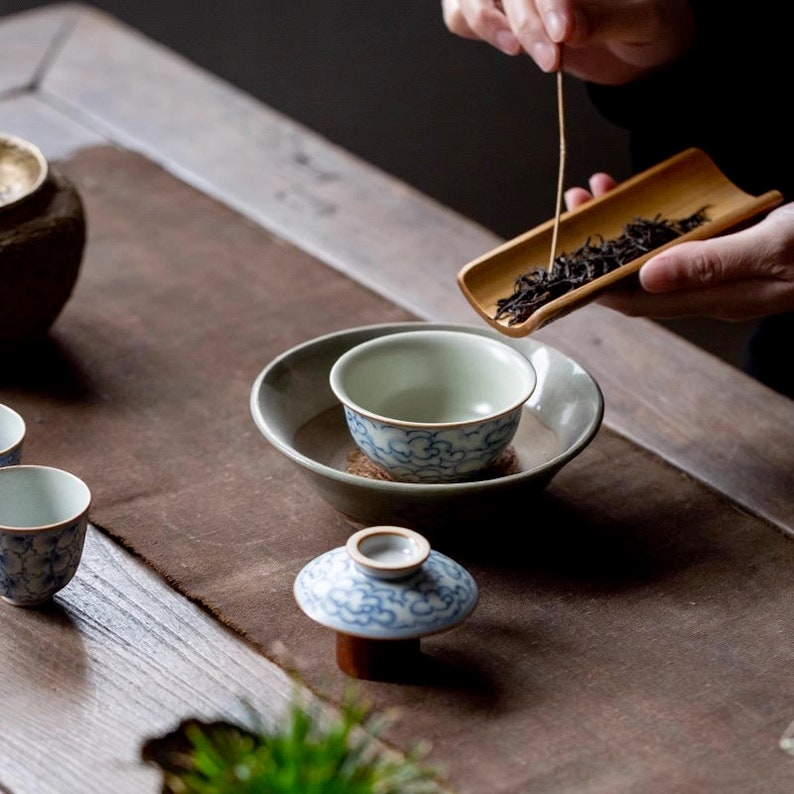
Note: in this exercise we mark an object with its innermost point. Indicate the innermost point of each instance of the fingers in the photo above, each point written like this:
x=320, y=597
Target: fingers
x=600, y=183
x=576, y=196
x=512, y=26
x=559, y=19
x=604, y=42
x=529, y=28
x=762, y=251
x=735, y=301
x=738, y=276
x=689, y=265
x=481, y=19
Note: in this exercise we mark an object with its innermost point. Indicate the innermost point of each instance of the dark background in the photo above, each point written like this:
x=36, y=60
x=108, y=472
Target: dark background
x=456, y=119
x=465, y=124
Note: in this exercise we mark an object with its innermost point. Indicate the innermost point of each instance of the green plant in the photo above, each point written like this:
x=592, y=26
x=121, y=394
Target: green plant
x=308, y=754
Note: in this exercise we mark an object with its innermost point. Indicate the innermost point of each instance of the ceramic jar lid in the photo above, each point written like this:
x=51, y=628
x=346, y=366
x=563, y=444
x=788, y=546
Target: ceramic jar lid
x=386, y=584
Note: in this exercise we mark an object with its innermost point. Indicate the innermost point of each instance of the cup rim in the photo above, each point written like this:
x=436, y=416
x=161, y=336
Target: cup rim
x=85, y=504
x=343, y=361
x=19, y=419
x=415, y=550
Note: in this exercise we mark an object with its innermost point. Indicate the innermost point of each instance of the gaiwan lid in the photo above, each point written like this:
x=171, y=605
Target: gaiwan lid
x=385, y=584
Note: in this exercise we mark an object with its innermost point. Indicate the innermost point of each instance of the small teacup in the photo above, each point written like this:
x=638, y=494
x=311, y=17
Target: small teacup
x=12, y=436
x=433, y=405
x=43, y=520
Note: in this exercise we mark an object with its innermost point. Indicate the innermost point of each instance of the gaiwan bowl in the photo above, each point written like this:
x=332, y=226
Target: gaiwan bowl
x=292, y=405
x=432, y=405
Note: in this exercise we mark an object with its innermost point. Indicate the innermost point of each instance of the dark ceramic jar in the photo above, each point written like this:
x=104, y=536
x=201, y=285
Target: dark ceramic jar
x=42, y=238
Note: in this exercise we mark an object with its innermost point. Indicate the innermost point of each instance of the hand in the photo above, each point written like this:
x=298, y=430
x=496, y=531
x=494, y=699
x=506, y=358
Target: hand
x=600, y=183
x=603, y=41
x=738, y=276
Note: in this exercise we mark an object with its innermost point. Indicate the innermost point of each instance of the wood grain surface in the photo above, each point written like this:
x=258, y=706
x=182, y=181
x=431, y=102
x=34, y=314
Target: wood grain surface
x=118, y=656
x=677, y=400
x=121, y=654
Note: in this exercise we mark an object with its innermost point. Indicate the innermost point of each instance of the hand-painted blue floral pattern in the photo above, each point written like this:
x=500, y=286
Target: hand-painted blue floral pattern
x=12, y=457
x=36, y=565
x=335, y=592
x=453, y=454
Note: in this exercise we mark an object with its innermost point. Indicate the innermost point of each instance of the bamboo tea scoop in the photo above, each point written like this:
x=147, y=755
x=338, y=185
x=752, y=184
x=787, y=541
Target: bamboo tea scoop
x=674, y=189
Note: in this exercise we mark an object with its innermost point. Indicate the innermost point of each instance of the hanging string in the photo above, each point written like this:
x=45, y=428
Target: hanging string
x=561, y=170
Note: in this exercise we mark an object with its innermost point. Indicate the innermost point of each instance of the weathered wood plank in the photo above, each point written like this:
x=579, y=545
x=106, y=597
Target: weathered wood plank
x=57, y=135
x=271, y=169
x=662, y=392
x=123, y=656
x=119, y=656
x=29, y=42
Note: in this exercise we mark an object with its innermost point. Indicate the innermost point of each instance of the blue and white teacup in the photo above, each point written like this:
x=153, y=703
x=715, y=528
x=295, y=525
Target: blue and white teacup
x=434, y=406
x=43, y=522
x=12, y=436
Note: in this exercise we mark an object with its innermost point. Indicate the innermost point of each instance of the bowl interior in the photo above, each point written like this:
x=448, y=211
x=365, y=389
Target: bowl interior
x=23, y=169
x=12, y=428
x=295, y=410
x=40, y=497
x=432, y=377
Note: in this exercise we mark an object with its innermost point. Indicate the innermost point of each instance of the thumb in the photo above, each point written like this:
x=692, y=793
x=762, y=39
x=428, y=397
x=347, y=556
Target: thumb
x=689, y=265
x=750, y=253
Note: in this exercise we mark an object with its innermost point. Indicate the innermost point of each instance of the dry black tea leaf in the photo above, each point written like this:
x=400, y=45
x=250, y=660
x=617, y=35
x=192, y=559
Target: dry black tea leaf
x=597, y=257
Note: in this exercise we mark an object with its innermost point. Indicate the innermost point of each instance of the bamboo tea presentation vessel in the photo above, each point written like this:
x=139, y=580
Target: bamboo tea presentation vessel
x=674, y=189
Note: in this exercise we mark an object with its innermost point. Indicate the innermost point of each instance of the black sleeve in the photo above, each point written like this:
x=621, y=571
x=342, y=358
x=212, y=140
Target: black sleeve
x=728, y=96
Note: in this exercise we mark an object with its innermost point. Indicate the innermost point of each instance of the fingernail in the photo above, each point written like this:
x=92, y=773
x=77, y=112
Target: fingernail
x=508, y=43
x=545, y=56
x=554, y=26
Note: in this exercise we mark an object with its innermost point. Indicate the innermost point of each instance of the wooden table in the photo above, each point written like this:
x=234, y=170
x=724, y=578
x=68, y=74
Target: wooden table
x=125, y=656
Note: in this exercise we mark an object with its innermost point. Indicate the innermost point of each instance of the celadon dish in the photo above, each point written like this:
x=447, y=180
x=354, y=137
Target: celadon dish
x=292, y=405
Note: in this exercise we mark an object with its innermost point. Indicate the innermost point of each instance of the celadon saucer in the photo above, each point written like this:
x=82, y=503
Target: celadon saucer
x=292, y=404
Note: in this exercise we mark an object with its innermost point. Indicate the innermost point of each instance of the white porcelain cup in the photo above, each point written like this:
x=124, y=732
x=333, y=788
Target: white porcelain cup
x=43, y=520
x=12, y=436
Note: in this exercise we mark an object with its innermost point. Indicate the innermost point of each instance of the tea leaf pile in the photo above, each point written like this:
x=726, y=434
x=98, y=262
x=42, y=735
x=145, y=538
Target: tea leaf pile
x=595, y=258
